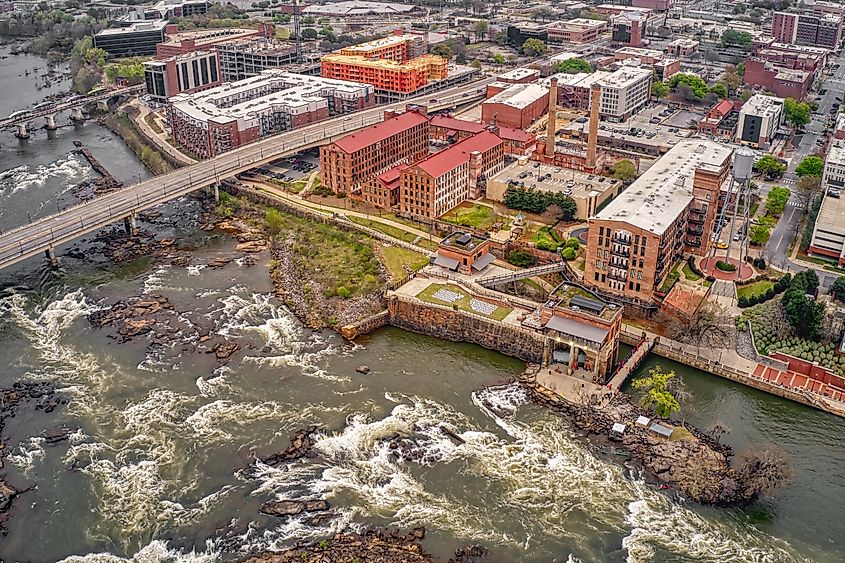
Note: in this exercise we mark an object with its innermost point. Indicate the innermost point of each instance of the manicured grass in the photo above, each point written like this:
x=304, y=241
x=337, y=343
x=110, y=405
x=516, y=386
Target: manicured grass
x=297, y=186
x=827, y=264
x=756, y=288
x=427, y=295
x=671, y=279
x=151, y=121
x=473, y=215
x=395, y=260
x=407, y=222
x=427, y=244
x=386, y=229
x=689, y=274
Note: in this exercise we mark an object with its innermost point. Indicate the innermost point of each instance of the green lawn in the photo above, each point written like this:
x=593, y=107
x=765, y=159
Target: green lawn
x=463, y=303
x=474, y=215
x=689, y=274
x=671, y=279
x=756, y=288
x=386, y=229
x=396, y=219
x=828, y=265
x=428, y=244
x=395, y=260
x=297, y=186
x=547, y=239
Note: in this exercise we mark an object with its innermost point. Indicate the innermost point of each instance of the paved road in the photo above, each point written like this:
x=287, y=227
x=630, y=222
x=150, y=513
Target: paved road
x=60, y=228
x=788, y=227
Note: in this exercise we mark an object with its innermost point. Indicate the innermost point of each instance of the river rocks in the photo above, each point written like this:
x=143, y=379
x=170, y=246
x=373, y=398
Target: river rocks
x=282, y=507
x=57, y=434
x=315, y=505
x=363, y=369
x=134, y=316
x=225, y=350
x=300, y=446
x=374, y=545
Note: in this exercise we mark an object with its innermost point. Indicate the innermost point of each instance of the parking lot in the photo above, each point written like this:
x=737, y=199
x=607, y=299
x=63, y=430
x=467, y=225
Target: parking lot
x=290, y=168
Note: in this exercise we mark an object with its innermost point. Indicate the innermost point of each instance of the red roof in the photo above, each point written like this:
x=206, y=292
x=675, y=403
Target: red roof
x=448, y=159
x=390, y=178
x=380, y=131
x=450, y=122
x=511, y=134
x=723, y=108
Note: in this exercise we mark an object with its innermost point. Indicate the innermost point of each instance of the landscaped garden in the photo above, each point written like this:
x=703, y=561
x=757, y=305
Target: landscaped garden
x=755, y=289
x=547, y=239
x=671, y=278
x=452, y=295
x=474, y=215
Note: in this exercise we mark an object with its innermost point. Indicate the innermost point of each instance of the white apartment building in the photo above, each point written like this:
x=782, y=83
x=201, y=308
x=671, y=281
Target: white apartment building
x=759, y=120
x=625, y=92
x=829, y=233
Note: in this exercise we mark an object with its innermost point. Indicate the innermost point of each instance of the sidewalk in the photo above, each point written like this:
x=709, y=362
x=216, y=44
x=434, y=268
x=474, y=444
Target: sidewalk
x=159, y=138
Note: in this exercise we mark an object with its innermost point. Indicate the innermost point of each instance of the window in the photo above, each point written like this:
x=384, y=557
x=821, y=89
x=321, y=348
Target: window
x=638, y=287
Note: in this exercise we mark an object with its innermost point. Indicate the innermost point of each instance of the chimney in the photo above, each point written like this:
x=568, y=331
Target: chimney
x=592, y=137
x=551, y=126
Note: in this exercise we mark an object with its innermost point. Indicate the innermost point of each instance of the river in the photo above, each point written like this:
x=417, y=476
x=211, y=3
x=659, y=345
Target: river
x=162, y=464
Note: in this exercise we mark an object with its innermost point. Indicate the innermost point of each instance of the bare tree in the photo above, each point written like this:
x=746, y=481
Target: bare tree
x=807, y=189
x=682, y=394
x=762, y=470
x=717, y=430
x=710, y=326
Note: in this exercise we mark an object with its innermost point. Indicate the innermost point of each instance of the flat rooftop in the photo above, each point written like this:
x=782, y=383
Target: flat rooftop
x=137, y=27
x=578, y=80
x=763, y=106
x=832, y=215
x=271, y=91
x=577, y=24
x=518, y=74
x=462, y=242
x=656, y=198
x=683, y=42
x=519, y=95
x=836, y=153
x=359, y=8
x=376, y=44
x=625, y=77
x=640, y=52
x=580, y=185
x=568, y=295
x=209, y=36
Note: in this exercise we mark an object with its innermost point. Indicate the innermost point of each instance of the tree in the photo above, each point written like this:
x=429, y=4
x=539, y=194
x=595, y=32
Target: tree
x=710, y=326
x=796, y=113
x=697, y=87
x=656, y=395
x=720, y=90
x=810, y=166
x=623, y=170
x=804, y=314
x=499, y=59
x=534, y=48
x=659, y=90
x=308, y=20
x=770, y=166
x=807, y=188
x=501, y=37
x=762, y=471
x=682, y=394
x=731, y=37
x=573, y=66
x=476, y=64
x=776, y=200
x=759, y=234
x=837, y=290
x=442, y=50
x=732, y=79
x=740, y=69
x=309, y=33
x=480, y=29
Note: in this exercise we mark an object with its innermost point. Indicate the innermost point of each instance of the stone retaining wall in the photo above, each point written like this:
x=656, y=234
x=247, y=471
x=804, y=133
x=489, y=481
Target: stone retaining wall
x=369, y=324
x=461, y=326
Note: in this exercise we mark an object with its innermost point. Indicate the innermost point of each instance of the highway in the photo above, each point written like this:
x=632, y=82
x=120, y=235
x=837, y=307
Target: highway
x=68, y=105
x=65, y=226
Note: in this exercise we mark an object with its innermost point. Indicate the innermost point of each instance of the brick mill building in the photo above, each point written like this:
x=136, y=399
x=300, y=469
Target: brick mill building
x=350, y=165
x=671, y=209
x=431, y=187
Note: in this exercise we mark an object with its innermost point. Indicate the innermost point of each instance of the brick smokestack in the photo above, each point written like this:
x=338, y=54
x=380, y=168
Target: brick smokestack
x=592, y=137
x=551, y=126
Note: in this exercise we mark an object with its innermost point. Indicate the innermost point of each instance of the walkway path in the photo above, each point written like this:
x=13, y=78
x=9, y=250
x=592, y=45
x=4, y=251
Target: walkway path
x=160, y=139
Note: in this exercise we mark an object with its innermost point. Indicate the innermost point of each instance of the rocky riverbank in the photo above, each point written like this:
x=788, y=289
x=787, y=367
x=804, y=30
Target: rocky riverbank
x=391, y=546
x=694, y=463
x=13, y=401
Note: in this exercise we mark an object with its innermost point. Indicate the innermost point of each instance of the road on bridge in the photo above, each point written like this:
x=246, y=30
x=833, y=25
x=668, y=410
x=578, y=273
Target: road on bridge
x=50, y=232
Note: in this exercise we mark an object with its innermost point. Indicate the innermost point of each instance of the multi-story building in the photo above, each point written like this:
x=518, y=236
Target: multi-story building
x=624, y=92
x=519, y=76
x=181, y=74
x=359, y=9
x=517, y=106
x=818, y=29
x=682, y=47
x=250, y=57
x=656, y=5
x=220, y=119
x=137, y=39
x=447, y=128
x=432, y=186
x=573, y=90
x=720, y=120
x=782, y=82
x=181, y=42
x=169, y=9
x=397, y=64
x=628, y=28
x=633, y=242
x=577, y=31
x=351, y=163
x=829, y=232
x=759, y=119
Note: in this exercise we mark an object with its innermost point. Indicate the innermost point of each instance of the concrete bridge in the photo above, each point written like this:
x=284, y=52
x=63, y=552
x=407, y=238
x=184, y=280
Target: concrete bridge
x=45, y=234
x=49, y=113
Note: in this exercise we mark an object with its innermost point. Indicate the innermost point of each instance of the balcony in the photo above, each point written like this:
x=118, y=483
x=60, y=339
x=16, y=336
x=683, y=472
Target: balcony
x=618, y=277
x=619, y=263
x=693, y=242
x=617, y=251
x=697, y=218
x=695, y=229
x=622, y=240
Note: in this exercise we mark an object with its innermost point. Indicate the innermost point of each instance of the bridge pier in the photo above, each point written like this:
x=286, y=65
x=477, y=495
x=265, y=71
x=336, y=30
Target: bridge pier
x=216, y=189
x=130, y=225
x=51, y=256
x=50, y=122
x=77, y=115
x=22, y=131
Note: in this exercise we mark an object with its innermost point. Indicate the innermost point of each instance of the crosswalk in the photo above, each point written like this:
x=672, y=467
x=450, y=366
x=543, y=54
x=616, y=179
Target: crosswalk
x=788, y=181
x=796, y=204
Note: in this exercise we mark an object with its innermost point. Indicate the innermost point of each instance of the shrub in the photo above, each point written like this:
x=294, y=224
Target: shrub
x=344, y=292
x=770, y=293
x=521, y=258
x=753, y=300
x=742, y=302
x=569, y=253
x=546, y=245
x=725, y=266
x=760, y=263
x=573, y=242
